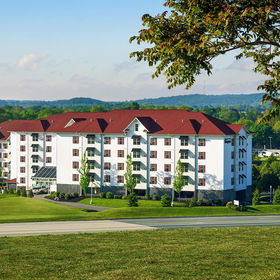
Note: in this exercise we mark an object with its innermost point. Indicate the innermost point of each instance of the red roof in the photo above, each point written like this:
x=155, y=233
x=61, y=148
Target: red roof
x=156, y=122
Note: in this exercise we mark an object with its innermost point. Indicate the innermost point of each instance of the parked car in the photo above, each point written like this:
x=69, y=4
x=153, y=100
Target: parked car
x=40, y=190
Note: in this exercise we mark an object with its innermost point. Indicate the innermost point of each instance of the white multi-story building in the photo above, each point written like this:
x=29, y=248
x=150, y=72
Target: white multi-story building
x=216, y=155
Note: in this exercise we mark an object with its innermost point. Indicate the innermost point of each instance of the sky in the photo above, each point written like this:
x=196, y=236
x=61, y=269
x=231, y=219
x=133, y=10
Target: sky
x=62, y=49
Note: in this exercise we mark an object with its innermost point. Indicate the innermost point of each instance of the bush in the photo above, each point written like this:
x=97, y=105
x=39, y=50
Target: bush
x=276, y=197
x=75, y=195
x=23, y=193
x=62, y=195
x=124, y=197
x=155, y=197
x=109, y=195
x=147, y=197
x=68, y=196
x=200, y=202
x=116, y=196
x=102, y=195
x=132, y=200
x=18, y=192
x=256, y=200
x=192, y=202
x=187, y=203
x=208, y=202
x=229, y=204
x=219, y=202
x=52, y=195
x=12, y=191
x=165, y=201
x=30, y=193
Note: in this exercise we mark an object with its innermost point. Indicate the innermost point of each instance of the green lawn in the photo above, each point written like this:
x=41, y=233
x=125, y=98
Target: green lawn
x=118, y=203
x=191, y=254
x=20, y=209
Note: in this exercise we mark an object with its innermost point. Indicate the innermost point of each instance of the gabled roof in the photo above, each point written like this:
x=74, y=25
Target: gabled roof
x=178, y=122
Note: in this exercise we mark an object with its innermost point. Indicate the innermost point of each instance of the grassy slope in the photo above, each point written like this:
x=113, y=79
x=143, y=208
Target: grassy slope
x=193, y=254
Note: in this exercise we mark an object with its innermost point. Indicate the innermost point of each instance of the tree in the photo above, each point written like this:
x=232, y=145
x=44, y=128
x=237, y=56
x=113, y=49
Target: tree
x=276, y=197
x=84, y=174
x=186, y=38
x=179, y=180
x=130, y=182
x=256, y=200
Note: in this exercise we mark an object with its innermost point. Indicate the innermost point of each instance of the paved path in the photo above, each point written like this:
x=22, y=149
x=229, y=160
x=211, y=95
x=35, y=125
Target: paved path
x=14, y=229
x=222, y=221
x=73, y=204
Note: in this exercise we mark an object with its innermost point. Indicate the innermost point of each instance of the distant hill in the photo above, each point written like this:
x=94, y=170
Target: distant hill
x=188, y=99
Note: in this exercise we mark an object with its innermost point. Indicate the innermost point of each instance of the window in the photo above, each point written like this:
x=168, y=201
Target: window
x=0, y=146
x=153, y=154
x=167, y=154
x=232, y=142
x=75, y=139
x=5, y=155
x=184, y=140
x=186, y=178
x=185, y=167
x=22, y=148
x=153, y=180
x=153, y=167
x=5, y=146
x=167, y=181
x=35, y=148
x=137, y=178
x=136, y=127
x=0, y=155
x=232, y=168
x=201, y=142
x=75, y=152
x=107, y=179
x=120, y=179
x=22, y=180
x=48, y=149
x=121, y=140
x=48, y=160
x=136, y=140
x=90, y=164
x=75, y=164
x=120, y=166
x=201, y=182
x=5, y=174
x=107, y=165
x=22, y=159
x=22, y=138
x=48, y=138
x=35, y=137
x=232, y=180
x=107, y=140
x=22, y=169
x=5, y=164
x=167, y=141
x=167, y=167
x=91, y=177
x=153, y=141
x=136, y=166
x=35, y=169
x=201, y=155
x=232, y=155
x=184, y=154
x=90, y=152
x=201, y=168
x=91, y=139
x=136, y=153
x=35, y=159
x=107, y=153
x=120, y=153
x=75, y=177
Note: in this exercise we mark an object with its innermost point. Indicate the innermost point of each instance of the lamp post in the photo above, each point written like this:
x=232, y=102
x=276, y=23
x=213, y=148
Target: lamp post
x=91, y=186
x=270, y=187
x=270, y=145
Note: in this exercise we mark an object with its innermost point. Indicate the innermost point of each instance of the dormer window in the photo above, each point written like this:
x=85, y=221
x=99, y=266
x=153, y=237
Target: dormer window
x=136, y=127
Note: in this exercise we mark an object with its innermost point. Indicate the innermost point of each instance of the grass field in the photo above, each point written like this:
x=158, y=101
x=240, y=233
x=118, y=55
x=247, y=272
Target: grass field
x=19, y=209
x=193, y=254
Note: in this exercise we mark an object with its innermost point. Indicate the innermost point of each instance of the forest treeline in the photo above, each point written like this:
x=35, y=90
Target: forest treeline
x=243, y=114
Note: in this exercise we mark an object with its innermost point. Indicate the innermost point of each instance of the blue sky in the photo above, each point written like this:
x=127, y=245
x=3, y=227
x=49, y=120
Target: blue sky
x=68, y=48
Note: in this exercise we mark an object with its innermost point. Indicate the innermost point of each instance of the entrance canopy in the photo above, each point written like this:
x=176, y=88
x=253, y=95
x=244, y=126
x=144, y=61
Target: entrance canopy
x=45, y=173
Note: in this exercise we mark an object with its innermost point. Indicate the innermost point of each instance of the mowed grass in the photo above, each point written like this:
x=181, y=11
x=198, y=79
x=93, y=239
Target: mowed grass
x=118, y=203
x=20, y=209
x=193, y=254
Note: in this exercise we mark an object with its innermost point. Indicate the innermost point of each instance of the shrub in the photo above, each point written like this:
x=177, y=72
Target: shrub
x=209, y=202
x=30, y=193
x=155, y=197
x=219, y=202
x=147, y=197
x=256, y=200
x=165, y=201
x=23, y=193
x=68, y=196
x=276, y=197
x=200, y=202
x=116, y=196
x=53, y=195
x=109, y=195
x=187, y=203
x=229, y=204
x=192, y=202
x=61, y=195
x=132, y=200
x=102, y=195
x=12, y=191
x=57, y=194
x=18, y=192
x=124, y=197
x=75, y=195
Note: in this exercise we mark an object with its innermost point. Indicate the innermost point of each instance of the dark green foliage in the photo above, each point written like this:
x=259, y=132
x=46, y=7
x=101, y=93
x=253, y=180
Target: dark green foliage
x=62, y=195
x=256, y=200
x=155, y=197
x=200, y=202
x=109, y=195
x=165, y=201
x=23, y=193
x=75, y=195
x=102, y=195
x=276, y=197
x=124, y=197
x=148, y=197
x=192, y=202
x=18, y=191
x=132, y=200
x=116, y=196
x=30, y=193
x=67, y=196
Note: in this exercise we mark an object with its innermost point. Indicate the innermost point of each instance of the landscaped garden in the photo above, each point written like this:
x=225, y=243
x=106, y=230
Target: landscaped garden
x=193, y=254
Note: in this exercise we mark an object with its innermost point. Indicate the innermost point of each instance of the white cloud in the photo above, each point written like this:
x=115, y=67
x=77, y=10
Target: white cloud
x=242, y=65
x=30, y=61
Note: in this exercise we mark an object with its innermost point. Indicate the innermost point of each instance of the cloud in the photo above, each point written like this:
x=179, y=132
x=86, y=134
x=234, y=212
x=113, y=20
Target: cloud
x=242, y=65
x=126, y=66
x=30, y=61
